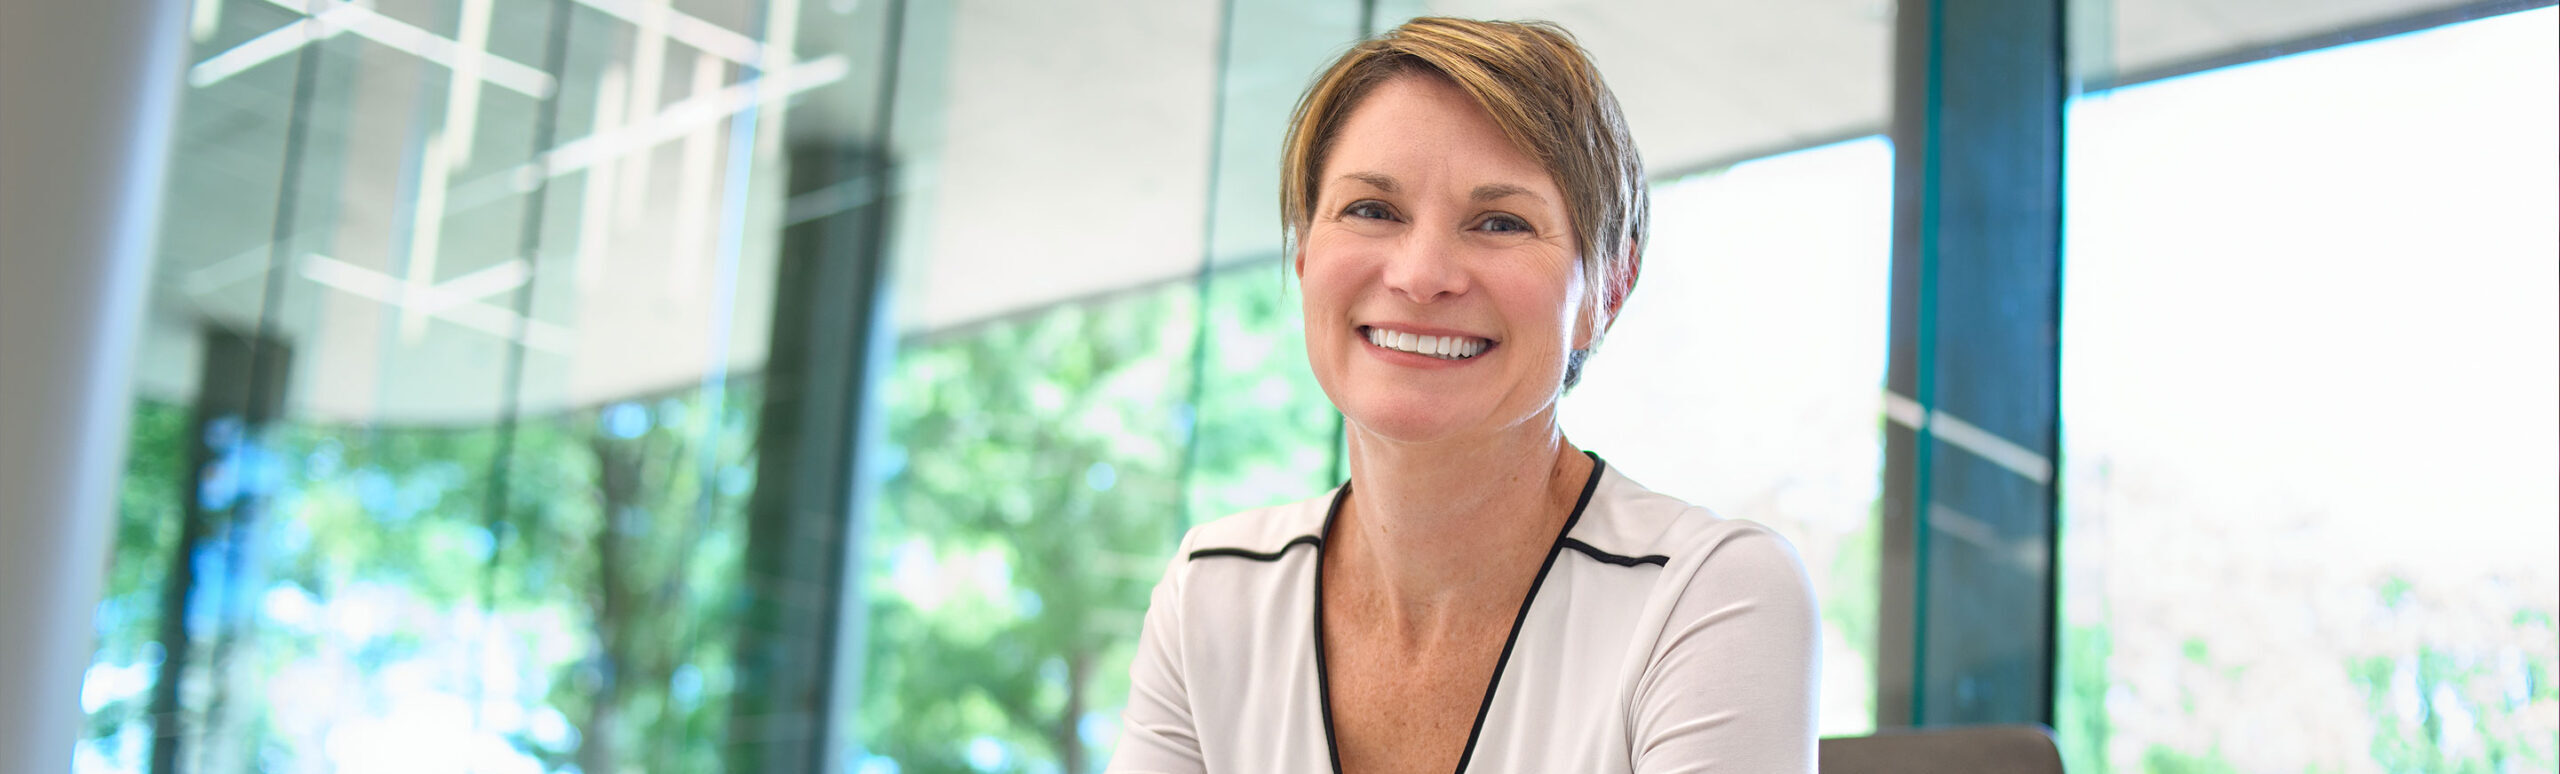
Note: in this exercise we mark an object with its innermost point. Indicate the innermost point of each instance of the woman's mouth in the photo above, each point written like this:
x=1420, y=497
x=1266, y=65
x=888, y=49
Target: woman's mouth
x=1440, y=347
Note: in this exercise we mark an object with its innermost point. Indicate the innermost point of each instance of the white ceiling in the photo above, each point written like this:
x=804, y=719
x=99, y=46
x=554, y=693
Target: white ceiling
x=1047, y=151
x=1092, y=145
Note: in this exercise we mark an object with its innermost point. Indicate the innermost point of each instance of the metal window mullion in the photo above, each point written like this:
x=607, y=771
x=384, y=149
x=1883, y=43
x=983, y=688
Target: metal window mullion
x=1965, y=630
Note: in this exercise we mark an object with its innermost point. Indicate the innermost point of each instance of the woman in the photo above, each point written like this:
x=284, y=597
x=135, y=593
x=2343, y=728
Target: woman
x=1467, y=213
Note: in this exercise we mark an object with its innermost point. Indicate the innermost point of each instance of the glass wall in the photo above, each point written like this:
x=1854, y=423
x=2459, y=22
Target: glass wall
x=696, y=385
x=2310, y=435
x=452, y=412
x=699, y=385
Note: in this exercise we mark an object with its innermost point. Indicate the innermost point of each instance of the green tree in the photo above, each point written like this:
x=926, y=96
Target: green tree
x=1037, y=454
x=2458, y=708
x=397, y=520
x=2080, y=706
x=1040, y=471
x=128, y=617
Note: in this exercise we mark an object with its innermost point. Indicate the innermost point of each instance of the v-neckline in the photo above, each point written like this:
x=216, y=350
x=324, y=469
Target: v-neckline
x=1324, y=679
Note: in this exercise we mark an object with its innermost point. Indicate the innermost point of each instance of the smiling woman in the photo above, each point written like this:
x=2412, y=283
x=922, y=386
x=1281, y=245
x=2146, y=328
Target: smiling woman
x=1467, y=215
x=1422, y=240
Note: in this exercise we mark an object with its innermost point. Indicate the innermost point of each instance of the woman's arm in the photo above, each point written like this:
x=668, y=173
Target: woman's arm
x=1732, y=682
x=1156, y=733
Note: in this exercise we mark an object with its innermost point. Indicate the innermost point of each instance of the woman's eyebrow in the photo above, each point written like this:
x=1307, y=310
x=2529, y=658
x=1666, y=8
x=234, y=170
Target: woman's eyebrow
x=1491, y=191
x=1375, y=180
x=1483, y=193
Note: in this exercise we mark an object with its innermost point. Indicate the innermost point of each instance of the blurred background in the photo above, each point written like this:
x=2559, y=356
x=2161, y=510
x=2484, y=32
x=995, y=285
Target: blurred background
x=703, y=385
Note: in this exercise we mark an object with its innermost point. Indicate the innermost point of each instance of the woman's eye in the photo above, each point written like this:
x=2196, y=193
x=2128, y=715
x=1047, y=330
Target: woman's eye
x=1367, y=210
x=1503, y=224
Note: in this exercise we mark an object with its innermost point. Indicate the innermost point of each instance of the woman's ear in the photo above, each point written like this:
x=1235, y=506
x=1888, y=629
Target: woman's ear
x=1294, y=238
x=1615, y=298
x=1612, y=299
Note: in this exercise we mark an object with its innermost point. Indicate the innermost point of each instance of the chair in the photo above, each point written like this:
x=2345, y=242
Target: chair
x=2020, y=749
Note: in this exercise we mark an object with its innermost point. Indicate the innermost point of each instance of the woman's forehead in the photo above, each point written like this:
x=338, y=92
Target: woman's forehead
x=1415, y=133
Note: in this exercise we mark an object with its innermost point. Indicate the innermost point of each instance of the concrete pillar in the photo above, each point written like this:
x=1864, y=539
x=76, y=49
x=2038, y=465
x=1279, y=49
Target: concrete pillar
x=88, y=94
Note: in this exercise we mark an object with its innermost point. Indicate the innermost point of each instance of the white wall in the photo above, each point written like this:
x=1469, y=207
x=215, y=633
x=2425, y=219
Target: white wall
x=87, y=93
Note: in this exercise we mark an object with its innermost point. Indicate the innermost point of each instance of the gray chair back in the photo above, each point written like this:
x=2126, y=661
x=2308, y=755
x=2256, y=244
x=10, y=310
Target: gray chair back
x=2023, y=749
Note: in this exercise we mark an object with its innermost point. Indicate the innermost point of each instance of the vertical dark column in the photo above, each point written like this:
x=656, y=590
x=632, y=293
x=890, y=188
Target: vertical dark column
x=1973, y=379
x=240, y=392
x=801, y=636
x=802, y=534
x=801, y=633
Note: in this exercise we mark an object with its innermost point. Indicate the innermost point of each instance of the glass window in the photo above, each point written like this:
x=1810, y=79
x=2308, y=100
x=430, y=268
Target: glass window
x=450, y=404
x=1033, y=474
x=704, y=385
x=1744, y=374
x=2308, y=405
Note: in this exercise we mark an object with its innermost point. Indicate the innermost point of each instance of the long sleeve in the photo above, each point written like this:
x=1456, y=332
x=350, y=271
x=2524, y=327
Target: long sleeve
x=1157, y=735
x=1732, y=683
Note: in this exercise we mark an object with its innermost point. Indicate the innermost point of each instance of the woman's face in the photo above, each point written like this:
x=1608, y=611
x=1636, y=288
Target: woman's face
x=1438, y=270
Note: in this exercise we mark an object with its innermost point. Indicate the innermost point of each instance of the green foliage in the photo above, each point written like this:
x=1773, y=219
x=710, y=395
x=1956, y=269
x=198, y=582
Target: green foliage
x=2458, y=710
x=1037, y=482
x=2080, y=704
x=2160, y=759
x=373, y=549
x=2395, y=591
x=1267, y=431
x=1039, y=487
x=1017, y=543
x=1850, y=602
x=148, y=510
x=147, y=514
x=649, y=548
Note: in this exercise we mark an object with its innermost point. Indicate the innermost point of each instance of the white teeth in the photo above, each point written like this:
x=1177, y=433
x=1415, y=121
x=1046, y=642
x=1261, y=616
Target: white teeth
x=1443, y=347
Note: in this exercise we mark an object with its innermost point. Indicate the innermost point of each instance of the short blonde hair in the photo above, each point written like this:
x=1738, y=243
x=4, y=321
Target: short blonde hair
x=1540, y=87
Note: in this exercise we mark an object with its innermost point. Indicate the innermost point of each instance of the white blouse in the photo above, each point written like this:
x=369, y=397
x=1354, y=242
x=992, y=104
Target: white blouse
x=1657, y=638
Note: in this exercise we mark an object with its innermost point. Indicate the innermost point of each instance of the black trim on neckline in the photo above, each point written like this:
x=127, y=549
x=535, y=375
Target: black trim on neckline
x=1621, y=560
x=1597, y=467
x=1324, y=680
x=1274, y=556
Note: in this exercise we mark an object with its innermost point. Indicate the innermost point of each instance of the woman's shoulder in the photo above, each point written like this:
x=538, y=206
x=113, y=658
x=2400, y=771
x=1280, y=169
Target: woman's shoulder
x=1267, y=532
x=1625, y=518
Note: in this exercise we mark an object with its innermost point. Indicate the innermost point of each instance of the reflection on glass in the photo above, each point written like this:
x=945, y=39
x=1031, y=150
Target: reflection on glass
x=1268, y=435
x=2308, y=395
x=1032, y=475
x=482, y=331
x=449, y=397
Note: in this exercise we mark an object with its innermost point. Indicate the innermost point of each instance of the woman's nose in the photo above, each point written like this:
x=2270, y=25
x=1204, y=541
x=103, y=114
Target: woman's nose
x=1423, y=267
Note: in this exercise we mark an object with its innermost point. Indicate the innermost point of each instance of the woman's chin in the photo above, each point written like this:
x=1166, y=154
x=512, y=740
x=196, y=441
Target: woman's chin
x=1414, y=419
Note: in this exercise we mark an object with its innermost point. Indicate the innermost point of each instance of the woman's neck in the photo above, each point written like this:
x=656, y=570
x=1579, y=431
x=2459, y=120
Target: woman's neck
x=1441, y=531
